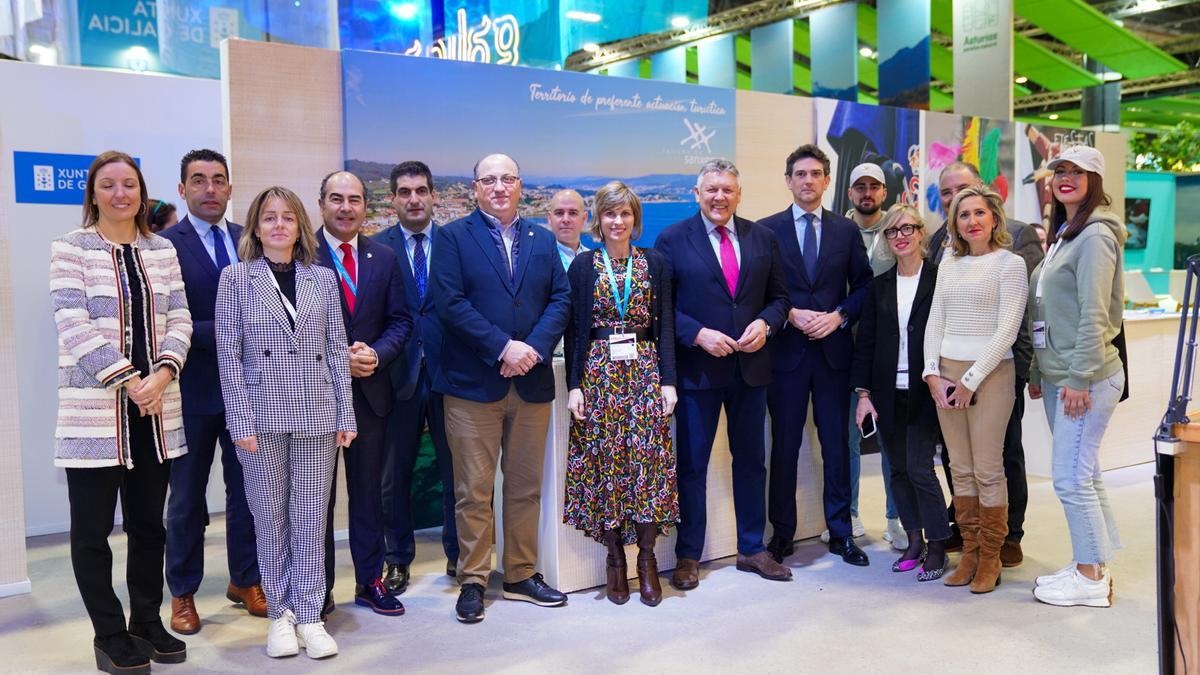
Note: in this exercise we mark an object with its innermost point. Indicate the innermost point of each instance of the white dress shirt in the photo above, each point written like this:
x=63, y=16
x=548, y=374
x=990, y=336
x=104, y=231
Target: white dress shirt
x=410, y=245
x=798, y=218
x=335, y=245
x=714, y=238
x=204, y=231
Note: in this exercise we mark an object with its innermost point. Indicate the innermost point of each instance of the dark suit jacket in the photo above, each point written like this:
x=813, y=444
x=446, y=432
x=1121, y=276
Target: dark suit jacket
x=481, y=308
x=843, y=274
x=1026, y=244
x=577, y=343
x=380, y=318
x=200, y=383
x=702, y=300
x=877, y=346
x=426, y=335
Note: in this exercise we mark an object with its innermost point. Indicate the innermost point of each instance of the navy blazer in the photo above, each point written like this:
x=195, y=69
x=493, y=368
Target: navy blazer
x=702, y=300
x=380, y=318
x=877, y=350
x=200, y=383
x=843, y=274
x=480, y=308
x=426, y=334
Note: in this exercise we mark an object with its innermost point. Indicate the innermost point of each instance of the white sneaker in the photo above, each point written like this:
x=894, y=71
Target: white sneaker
x=1047, y=579
x=856, y=527
x=895, y=533
x=281, y=638
x=825, y=537
x=1075, y=589
x=317, y=643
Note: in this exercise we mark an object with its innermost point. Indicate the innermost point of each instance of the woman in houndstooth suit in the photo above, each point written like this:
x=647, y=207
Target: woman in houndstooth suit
x=285, y=377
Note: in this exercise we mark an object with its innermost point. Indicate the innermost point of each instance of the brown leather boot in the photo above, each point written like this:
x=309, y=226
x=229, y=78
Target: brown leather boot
x=647, y=564
x=184, y=619
x=967, y=513
x=993, y=526
x=1011, y=554
x=616, y=571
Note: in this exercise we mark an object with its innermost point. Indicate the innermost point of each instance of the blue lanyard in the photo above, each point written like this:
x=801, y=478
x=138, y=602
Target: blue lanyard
x=622, y=303
x=341, y=269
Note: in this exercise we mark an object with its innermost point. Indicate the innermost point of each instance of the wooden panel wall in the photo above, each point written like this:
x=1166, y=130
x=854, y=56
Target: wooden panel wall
x=769, y=127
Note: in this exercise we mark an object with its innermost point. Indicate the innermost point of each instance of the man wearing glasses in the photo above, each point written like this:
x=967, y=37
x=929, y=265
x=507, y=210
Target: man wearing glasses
x=502, y=300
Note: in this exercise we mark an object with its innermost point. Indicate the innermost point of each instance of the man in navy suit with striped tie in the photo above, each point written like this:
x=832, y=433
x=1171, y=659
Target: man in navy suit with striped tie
x=416, y=404
x=206, y=243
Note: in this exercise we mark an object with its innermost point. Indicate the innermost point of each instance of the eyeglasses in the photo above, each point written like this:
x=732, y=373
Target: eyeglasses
x=509, y=180
x=906, y=230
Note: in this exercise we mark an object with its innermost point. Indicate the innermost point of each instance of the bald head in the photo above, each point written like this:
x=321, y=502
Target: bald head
x=568, y=217
x=498, y=187
x=343, y=204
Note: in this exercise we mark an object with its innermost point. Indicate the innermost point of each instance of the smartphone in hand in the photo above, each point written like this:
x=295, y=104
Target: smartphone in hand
x=868, y=427
x=950, y=392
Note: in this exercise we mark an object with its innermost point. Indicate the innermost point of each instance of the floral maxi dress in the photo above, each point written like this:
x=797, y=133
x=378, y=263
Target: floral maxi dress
x=620, y=463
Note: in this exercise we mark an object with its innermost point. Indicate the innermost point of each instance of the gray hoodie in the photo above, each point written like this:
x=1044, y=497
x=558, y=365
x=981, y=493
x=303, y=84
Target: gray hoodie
x=1082, y=303
x=878, y=253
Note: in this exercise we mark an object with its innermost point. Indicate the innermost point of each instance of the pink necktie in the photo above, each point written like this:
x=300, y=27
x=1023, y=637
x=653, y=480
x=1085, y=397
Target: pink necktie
x=729, y=263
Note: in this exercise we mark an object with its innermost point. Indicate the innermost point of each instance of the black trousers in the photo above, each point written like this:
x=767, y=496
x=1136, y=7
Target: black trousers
x=915, y=487
x=142, y=491
x=364, y=485
x=1014, y=469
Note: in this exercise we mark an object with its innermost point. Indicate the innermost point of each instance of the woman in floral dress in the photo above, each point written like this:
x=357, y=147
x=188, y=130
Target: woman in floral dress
x=621, y=376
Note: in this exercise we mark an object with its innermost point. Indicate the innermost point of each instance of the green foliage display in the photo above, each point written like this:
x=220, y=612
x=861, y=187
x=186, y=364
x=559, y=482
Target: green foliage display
x=1176, y=150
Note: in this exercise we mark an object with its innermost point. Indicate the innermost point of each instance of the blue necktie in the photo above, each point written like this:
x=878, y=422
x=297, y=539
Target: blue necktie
x=219, y=248
x=420, y=273
x=810, y=246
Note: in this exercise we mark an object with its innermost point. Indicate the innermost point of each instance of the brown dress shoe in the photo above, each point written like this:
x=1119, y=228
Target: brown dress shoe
x=1010, y=553
x=763, y=565
x=687, y=574
x=251, y=597
x=184, y=618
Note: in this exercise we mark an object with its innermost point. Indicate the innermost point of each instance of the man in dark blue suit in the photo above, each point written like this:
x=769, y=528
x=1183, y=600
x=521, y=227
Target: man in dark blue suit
x=205, y=243
x=416, y=404
x=377, y=326
x=728, y=281
x=827, y=277
x=502, y=300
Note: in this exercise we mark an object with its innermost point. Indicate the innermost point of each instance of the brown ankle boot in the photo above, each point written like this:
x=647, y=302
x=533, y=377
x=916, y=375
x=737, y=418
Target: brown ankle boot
x=617, y=585
x=967, y=513
x=647, y=564
x=993, y=526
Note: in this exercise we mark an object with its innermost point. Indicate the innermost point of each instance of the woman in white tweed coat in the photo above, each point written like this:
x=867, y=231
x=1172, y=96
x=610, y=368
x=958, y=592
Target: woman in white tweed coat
x=123, y=334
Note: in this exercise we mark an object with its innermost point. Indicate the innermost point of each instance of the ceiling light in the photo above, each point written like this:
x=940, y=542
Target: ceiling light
x=1021, y=80
x=1053, y=116
x=865, y=51
x=1148, y=5
x=591, y=47
x=1111, y=76
x=402, y=10
x=586, y=17
x=680, y=22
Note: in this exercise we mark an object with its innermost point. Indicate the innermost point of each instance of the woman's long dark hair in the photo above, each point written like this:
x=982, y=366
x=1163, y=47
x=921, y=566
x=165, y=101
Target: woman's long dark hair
x=1094, y=200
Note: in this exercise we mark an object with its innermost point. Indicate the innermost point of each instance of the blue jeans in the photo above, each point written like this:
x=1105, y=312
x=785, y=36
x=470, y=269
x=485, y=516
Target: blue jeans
x=856, y=463
x=1076, y=469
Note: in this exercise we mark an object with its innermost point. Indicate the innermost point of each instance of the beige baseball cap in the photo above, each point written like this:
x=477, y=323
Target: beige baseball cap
x=867, y=170
x=1086, y=158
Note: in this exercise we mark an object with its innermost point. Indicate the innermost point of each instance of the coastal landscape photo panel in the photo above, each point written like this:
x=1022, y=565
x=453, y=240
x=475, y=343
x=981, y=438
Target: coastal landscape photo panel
x=564, y=129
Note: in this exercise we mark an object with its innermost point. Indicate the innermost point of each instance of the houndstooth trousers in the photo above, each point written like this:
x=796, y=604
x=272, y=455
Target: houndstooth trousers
x=287, y=486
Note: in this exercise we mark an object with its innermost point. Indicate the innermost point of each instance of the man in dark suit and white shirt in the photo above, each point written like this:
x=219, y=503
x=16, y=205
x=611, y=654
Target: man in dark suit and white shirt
x=206, y=243
x=729, y=298
x=956, y=177
x=827, y=277
x=503, y=301
x=377, y=326
x=410, y=187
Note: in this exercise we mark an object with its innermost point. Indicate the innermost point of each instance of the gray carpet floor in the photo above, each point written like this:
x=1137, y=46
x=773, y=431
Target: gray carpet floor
x=832, y=617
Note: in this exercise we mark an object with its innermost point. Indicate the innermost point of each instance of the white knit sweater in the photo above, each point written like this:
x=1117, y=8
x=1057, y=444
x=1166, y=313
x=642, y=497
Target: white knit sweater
x=978, y=307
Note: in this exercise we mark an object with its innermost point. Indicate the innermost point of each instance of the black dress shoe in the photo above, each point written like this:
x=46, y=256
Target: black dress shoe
x=117, y=654
x=156, y=644
x=469, y=608
x=850, y=552
x=377, y=597
x=779, y=549
x=451, y=568
x=535, y=590
x=395, y=579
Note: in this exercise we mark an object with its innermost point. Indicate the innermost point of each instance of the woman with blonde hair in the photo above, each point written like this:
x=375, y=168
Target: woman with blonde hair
x=620, y=349
x=285, y=378
x=123, y=334
x=977, y=310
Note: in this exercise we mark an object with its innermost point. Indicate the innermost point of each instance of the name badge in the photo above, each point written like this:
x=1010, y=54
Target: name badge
x=622, y=347
x=1038, y=335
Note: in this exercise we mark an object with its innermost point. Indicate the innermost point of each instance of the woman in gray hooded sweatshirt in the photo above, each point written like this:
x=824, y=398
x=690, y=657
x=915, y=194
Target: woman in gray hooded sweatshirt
x=1078, y=297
